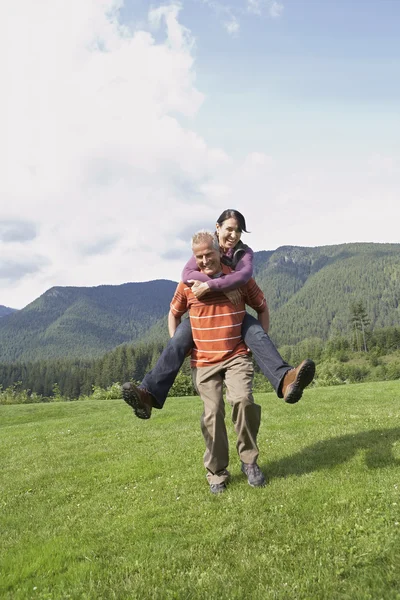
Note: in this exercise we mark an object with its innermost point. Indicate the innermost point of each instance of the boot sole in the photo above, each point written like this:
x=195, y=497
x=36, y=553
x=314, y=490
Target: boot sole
x=257, y=485
x=303, y=379
x=132, y=398
x=218, y=489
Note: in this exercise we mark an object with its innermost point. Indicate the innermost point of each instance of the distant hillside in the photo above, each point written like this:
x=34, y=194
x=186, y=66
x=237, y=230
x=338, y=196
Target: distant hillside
x=5, y=310
x=309, y=292
x=83, y=322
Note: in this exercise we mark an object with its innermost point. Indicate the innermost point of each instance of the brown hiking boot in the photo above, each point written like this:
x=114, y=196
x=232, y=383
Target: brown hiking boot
x=296, y=380
x=139, y=399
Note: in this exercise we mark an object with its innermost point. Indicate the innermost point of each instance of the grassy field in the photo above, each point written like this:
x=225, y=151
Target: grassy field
x=96, y=504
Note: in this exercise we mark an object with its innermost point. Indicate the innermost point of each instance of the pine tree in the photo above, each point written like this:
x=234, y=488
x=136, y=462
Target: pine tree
x=360, y=322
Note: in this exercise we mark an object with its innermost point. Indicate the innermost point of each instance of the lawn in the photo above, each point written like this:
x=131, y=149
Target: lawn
x=96, y=504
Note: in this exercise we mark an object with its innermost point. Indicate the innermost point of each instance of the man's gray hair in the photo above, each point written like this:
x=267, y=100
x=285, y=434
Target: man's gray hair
x=205, y=237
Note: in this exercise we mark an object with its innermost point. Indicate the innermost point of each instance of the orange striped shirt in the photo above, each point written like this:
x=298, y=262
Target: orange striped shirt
x=216, y=322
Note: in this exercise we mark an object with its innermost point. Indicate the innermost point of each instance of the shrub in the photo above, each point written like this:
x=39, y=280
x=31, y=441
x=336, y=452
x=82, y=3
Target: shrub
x=261, y=384
x=183, y=386
x=342, y=356
x=112, y=392
x=393, y=370
x=330, y=373
x=14, y=394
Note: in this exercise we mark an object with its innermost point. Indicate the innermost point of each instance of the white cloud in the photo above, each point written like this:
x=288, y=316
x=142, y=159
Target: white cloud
x=101, y=180
x=232, y=26
x=94, y=151
x=178, y=35
x=253, y=6
x=275, y=9
x=230, y=16
x=227, y=16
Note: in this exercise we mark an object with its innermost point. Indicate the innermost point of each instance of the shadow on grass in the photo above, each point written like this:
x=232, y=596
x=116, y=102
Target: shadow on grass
x=377, y=444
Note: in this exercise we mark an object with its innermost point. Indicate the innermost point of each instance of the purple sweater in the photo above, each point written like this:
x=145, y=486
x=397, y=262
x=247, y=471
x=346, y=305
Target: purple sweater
x=240, y=276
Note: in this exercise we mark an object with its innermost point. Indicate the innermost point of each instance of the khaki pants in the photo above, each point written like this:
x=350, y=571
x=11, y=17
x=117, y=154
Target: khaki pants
x=237, y=372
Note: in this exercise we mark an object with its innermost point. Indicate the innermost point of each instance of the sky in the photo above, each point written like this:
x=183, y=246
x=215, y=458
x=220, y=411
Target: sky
x=126, y=126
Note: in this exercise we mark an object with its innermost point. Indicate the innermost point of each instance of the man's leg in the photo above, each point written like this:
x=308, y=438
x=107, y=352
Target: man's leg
x=288, y=382
x=153, y=390
x=208, y=382
x=246, y=415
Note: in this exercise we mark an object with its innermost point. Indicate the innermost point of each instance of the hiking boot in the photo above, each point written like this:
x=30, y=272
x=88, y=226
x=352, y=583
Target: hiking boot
x=296, y=380
x=255, y=476
x=139, y=399
x=217, y=488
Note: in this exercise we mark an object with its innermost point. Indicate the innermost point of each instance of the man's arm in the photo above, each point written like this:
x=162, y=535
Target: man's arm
x=178, y=307
x=263, y=317
x=173, y=323
x=256, y=299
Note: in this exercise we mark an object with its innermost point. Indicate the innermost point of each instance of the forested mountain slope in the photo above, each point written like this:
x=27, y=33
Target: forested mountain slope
x=309, y=292
x=83, y=322
x=5, y=310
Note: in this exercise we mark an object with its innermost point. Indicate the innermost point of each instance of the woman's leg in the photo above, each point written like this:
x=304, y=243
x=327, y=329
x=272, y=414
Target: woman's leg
x=265, y=354
x=159, y=380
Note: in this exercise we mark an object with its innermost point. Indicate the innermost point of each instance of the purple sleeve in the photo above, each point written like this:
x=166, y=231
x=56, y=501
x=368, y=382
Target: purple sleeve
x=232, y=281
x=191, y=271
x=239, y=277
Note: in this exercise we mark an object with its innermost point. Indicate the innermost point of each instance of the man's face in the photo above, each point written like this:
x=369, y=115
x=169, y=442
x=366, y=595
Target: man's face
x=207, y=258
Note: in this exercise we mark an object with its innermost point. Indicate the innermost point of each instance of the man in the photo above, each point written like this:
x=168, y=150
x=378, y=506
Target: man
x=220, y=355
x=288, y=382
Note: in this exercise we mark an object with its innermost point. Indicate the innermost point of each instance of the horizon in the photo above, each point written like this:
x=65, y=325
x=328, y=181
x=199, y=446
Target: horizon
x=176, y=281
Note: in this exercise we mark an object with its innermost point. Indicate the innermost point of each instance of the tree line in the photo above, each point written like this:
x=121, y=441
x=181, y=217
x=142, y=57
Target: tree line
x=75, y=378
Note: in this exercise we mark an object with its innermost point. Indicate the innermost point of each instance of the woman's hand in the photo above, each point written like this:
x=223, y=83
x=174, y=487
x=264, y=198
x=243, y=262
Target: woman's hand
x=199, y=288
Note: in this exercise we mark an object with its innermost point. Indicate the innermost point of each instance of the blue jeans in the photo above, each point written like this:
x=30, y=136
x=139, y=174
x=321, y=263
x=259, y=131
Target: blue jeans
x=159, y=380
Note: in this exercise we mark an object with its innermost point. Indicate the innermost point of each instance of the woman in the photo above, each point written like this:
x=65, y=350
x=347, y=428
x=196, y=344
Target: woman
x=287, y=382
x=238, y=256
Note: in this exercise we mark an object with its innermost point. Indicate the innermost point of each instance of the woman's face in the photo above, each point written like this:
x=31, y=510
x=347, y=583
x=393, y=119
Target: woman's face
x=228, y=233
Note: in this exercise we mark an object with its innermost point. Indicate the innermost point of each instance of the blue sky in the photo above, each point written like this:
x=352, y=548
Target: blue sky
x=131, y=124
x=320, y=69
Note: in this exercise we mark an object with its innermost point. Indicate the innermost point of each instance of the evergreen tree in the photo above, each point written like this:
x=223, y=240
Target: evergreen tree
x=360, y=322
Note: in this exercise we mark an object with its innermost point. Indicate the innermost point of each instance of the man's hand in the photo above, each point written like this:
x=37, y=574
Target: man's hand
x=199, y=288
x=235, y=296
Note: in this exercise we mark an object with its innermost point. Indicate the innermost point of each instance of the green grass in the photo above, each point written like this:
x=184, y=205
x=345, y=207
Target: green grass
x=98, y=504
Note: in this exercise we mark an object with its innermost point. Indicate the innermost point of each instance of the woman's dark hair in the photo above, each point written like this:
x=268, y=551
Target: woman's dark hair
x=231, y=213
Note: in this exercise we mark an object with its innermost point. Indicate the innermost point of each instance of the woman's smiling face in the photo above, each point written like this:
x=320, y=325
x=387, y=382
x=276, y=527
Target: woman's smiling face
x=228, y=233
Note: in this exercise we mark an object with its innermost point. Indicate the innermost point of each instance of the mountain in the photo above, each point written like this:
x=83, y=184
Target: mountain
x=83, y=322
x=309, y=291
x=5, y=310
